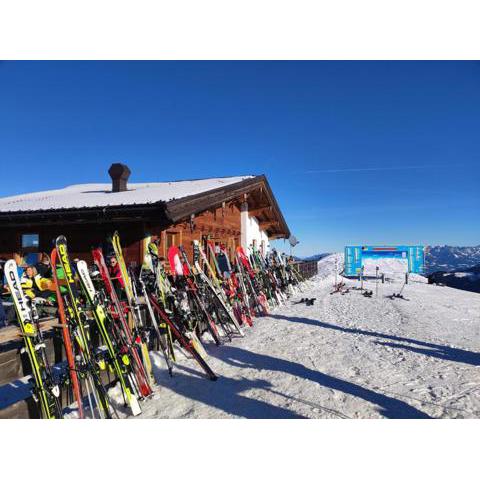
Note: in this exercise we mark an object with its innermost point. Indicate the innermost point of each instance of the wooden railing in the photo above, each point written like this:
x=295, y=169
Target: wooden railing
x=307, y=269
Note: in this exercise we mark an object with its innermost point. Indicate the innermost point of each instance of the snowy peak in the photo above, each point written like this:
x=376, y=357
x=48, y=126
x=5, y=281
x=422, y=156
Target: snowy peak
x=449, y=258
x=328, y=264
x=316, y=258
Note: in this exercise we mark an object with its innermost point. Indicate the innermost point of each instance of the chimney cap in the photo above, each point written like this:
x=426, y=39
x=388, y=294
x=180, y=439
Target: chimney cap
x=119, y=172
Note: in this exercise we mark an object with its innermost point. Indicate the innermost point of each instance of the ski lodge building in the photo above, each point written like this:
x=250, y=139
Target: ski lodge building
x=231, y=210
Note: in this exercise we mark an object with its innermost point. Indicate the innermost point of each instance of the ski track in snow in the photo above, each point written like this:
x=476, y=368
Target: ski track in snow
x=347, y=356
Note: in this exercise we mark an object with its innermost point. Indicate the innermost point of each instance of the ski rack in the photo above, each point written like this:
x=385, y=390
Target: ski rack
x=260, y=275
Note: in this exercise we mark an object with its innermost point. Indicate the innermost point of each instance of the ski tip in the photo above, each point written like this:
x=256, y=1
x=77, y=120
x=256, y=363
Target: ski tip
x=135, y=407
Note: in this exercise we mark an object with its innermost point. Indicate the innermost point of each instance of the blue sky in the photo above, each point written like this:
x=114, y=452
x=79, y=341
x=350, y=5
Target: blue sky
x=356, y=152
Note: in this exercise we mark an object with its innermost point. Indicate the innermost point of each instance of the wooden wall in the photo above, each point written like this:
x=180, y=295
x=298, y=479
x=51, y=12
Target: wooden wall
x=81, y=238
x=221, y=224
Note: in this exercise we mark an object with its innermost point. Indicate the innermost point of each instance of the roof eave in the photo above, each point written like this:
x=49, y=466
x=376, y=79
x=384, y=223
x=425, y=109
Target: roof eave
x=173, y=211
x=181, y=209
x=105, y=213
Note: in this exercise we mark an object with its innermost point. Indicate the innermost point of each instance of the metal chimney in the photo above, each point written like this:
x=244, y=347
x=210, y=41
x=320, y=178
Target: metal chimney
x=119, y=173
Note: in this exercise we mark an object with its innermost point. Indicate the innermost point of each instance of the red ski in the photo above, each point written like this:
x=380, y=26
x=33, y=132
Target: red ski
x=140, y=372
x=67, y=341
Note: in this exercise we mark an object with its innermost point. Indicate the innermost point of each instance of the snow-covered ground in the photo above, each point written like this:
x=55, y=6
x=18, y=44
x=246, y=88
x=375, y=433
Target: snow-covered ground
x=388, y=266
x=347, y=356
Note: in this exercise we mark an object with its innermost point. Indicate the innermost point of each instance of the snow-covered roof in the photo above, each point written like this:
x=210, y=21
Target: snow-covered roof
x=100, y=194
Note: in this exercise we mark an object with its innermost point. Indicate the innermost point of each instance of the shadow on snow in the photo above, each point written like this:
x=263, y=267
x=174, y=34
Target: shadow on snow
x=224, y=394
x=442, y=352
x=389, y=407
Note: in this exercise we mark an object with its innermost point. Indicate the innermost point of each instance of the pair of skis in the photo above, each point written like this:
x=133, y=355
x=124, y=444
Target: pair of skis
x=119, y=361
x=44, y=389
x=224, y=279
x=86, y=364
x=216, y=290
x=187, y=286
x=130, y=339
x=168, y=305
x=247, y=278
x=84, y=369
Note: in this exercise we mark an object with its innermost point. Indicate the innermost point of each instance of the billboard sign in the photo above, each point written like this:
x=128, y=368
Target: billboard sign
x=412, y=255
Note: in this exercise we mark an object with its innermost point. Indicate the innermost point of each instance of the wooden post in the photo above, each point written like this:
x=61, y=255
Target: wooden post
x=244, y=225
x=336, y=261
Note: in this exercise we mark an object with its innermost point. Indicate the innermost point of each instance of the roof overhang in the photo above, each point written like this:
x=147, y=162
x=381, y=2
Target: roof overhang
x=123, y=213
x=256, y=191
x=246, y=190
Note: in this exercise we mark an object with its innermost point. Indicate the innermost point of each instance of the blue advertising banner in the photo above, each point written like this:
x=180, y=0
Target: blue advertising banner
x=355, y=255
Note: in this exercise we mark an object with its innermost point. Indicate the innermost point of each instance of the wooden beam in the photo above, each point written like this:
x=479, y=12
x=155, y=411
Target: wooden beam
x=258, y=211
x=265, y=225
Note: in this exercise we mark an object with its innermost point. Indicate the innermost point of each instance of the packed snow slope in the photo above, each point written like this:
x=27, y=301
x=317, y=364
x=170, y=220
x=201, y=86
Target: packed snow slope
x=347, y=356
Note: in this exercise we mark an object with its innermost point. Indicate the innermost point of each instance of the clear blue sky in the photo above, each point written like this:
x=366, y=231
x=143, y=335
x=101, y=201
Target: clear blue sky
x=356, y=152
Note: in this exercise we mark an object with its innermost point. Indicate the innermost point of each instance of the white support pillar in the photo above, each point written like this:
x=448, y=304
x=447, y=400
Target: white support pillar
x=244, y=225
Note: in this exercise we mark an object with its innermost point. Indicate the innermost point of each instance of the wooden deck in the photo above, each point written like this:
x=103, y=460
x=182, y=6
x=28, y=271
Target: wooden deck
x=13, y=334
x=15, y=369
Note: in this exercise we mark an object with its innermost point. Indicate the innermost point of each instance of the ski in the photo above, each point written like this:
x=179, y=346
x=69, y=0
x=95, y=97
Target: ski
x=67, y=340
x=183, y=340
x=133, y=306
x=120, y=316
x=101, y=319
x=45, y=391
x=93, y=384
x=218, y=293
x=176, y=255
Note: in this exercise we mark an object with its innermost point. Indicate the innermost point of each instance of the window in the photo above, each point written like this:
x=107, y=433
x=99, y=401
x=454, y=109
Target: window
x=231, y=248
x=31, y=258
x=30, y=241
x=172, y=239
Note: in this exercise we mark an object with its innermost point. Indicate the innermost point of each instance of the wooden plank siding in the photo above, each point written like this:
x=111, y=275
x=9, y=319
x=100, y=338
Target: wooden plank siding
x=80, y=238
x=221, y=225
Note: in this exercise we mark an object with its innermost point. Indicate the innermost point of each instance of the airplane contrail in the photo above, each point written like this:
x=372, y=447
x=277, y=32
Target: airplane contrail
x=370, y=169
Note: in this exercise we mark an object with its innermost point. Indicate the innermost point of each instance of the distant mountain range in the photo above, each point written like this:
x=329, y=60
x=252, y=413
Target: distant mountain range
x=445, y=258
x=313, y=258
x=440, y=258
x=464, y=280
